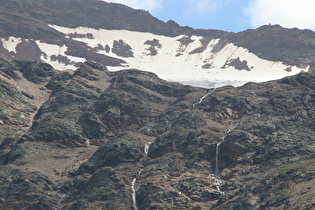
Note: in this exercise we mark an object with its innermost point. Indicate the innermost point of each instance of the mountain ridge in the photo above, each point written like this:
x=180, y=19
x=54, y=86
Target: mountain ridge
x=22, y=39
x=91, y=137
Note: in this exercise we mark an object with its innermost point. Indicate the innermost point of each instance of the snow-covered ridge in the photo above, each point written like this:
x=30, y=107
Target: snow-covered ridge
x=175, y=61
x=183, y=59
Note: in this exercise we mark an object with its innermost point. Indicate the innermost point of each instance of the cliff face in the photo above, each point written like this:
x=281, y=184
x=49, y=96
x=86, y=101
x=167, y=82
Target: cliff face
x=94, y=139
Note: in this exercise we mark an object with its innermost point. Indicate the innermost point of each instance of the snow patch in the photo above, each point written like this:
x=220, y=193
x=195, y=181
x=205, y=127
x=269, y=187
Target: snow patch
x=172, y=60
x=50, y=50
x=11, y=43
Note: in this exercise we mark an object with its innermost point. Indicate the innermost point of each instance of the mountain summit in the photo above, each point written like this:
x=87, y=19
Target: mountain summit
x=89, y=128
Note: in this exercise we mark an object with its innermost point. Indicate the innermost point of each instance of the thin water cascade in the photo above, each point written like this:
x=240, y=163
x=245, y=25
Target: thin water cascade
x=203, y=97
x=216, y=175
x=133, y=190
x=216, y=172
x=133, y=194
x=217, y=183
x=139, y=172
x=133, y=183
x=226, y=133
x=146, y=149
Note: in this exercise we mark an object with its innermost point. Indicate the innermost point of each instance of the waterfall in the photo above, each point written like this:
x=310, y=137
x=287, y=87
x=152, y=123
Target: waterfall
x=146, y=149
x=226, y=133
x=217, y=183
x=216, y=175
x=133, y=183
x=231, y=128
x=203, y=97
x=139, y=173
x=133, y=191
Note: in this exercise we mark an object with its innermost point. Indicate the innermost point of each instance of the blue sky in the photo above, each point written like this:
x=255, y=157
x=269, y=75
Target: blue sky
x=230, y=15
x=224, y=16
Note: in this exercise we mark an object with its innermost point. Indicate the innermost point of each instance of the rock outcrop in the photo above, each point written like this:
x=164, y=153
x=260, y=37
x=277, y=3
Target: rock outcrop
x=94, y=139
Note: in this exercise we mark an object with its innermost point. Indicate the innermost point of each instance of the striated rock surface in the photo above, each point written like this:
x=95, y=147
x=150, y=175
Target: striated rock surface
x=94, y=139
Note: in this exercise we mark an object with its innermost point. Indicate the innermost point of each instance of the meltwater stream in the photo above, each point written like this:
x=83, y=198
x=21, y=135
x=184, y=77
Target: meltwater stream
x=146, y=149
x=216, y=172
x=216, y=175
x=229, y=130
x=133, y=193
x=133, y=183
x=203, y=97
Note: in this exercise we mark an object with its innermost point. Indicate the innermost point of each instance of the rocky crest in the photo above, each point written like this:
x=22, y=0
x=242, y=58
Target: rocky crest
x=26, y=32
x=93, y=139
x=273, y=42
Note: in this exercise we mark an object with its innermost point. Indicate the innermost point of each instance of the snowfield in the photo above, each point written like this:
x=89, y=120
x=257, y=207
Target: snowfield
x=11, y=43
x=50, y=50
x=170, y=58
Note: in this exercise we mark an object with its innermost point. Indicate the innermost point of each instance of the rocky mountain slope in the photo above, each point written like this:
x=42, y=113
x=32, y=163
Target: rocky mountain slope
x=95, y=139
x=65, y=34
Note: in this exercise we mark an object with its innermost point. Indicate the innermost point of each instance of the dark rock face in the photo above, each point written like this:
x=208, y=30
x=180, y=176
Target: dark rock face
x=69, y=100
x=27, y=189
x=36, y=72
x=154, y=45
x=87, y=139
x=22, y=14
x=238, y=64
x=122, y=49
x=93, y=139
x=277, y=43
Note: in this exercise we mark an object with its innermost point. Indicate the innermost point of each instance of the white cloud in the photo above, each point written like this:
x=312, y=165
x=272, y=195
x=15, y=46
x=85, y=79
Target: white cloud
x=149, y=5
x=287, y=13
x=203, y=7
